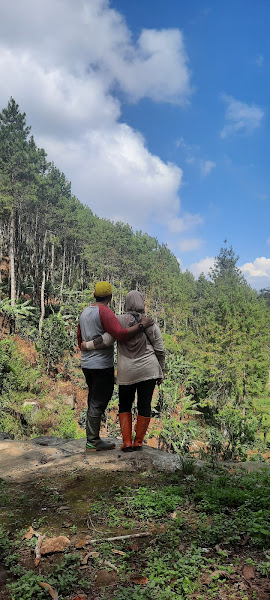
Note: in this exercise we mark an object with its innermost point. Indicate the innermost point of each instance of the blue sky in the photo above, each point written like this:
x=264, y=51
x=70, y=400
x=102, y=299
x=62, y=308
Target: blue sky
x=156, y=111
x=227, y=44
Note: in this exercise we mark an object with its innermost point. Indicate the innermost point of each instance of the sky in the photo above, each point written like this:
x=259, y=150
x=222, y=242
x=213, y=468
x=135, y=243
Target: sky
x=157, y=111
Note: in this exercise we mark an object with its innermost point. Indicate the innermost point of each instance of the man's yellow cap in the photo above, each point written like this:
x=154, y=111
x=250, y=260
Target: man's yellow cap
x=102, y=289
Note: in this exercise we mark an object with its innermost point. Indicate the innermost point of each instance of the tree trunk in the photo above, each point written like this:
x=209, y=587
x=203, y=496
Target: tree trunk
x=120, y=299
x=1, y=251
x=12, y=260
x=244, y=395
x=63, y=272
x=42, y=301
x=52, y=264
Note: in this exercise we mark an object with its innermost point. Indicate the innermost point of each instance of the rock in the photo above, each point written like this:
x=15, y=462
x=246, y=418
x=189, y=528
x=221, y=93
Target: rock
x=55, y=544
x=68, y=400
x=6, y=436
x=47, y=440
x=32, y=407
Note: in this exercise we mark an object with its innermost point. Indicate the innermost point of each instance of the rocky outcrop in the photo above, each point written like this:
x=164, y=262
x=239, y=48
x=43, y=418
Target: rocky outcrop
x=48, y=455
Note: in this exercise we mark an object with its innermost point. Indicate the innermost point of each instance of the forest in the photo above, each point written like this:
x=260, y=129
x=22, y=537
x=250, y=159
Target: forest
x=198, y=532
x=216, y=329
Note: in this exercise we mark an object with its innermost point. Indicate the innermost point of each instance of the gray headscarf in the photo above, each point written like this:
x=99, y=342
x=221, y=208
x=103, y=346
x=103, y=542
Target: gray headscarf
x=135, y=309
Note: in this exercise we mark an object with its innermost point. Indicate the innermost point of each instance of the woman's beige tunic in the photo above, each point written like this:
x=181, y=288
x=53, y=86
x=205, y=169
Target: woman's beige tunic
x=147, y=366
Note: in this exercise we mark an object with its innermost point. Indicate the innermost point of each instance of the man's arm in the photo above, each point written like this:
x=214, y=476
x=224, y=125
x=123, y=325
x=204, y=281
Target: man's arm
x=79, y=336
x=110, y=324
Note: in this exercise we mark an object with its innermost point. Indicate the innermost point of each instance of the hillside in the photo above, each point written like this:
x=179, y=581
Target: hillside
x=52, y=251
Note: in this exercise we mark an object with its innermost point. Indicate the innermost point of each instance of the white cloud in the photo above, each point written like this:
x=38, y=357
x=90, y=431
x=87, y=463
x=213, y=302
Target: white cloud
x=240, y=117
x=203, y=266
x=188, y=221
x=62, y=62
x=257, y=273
x=259, y=60
x=206, y=167
x=190, y=244
x=192, y=157
x=119, y=178
x=76, y=35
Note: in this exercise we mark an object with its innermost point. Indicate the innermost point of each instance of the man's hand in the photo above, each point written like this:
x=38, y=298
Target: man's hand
x=83, y=346
x=147, y=321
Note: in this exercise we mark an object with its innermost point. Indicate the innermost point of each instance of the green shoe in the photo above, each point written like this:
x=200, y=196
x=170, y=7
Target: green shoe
x=94, y=443
x=90, y=447
x=98, y=446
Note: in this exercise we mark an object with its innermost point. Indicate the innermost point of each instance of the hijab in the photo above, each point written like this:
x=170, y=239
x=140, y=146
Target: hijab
x=135, y=308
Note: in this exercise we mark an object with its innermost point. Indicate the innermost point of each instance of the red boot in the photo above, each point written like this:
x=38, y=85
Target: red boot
x=141, y=429
x=125, y=419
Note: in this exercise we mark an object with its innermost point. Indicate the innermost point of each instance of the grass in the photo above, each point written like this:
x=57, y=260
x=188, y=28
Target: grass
x=203, y=529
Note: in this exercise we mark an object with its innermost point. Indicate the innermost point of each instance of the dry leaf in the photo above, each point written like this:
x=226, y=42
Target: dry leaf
x=134, y=547
x=119, y=552
x=41, y=538
x=55, y=544
x=249, y=572
x=94, y=554
x=85, y=558
x=140, y=580
x=29, y=534
x=80, y=597
x=81, y=543
x=46, y=586
x=173, y=515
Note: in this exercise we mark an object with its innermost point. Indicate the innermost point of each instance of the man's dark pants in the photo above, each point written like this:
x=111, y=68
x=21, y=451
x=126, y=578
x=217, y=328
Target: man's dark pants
x=100, y=389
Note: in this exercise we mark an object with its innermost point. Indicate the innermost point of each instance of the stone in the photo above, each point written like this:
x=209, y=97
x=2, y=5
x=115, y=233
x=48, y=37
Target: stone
x=32, y=407
x=68, y=400
x=55, y=544
x=47, y=440
x=6, y=436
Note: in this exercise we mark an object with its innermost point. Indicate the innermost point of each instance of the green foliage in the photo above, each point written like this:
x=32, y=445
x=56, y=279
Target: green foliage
x=15, y=374
x=239, y=506
x=264, y=567
x=67, y=427
x=238, y=431
x=11, y=314
x=176, y=435
x=65, y=576
x=55, y=340
x=152, y=503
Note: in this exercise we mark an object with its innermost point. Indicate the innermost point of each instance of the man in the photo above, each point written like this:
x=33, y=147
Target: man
x=98, y=365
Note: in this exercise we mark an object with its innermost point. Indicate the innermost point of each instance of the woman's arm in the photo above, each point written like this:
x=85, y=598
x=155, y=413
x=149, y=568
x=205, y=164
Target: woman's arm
x=158, y=345
x=100, y=341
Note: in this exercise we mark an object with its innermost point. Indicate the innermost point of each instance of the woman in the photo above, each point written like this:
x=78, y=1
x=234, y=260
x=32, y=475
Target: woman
x=140, y=366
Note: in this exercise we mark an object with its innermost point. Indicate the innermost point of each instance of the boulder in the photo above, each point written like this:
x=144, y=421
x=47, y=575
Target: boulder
x=6, y=436
x=68, y=400
x=47, y=440
x=33, y=408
